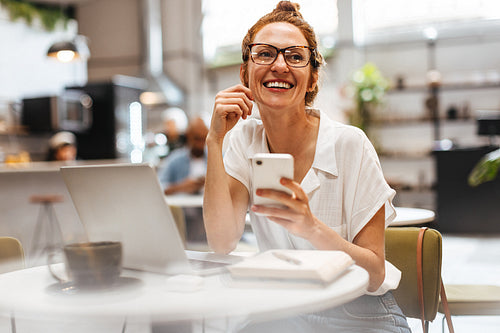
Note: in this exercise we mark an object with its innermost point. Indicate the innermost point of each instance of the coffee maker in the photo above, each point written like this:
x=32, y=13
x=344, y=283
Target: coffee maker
x=118, y=119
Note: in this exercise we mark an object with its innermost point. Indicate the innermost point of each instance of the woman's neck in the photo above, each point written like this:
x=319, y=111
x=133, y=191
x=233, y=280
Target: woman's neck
x=295, y=134
x=285, y=129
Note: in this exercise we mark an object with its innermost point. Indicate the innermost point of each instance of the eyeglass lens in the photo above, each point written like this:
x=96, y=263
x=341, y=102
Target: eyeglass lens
x=295, y=56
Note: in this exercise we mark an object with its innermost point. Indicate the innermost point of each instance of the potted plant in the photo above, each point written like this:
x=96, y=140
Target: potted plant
x=48, y=14
x=486, y=169
x=369, y=87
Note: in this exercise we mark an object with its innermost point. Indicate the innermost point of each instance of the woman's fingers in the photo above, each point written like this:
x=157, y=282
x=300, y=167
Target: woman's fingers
x=295, y=214
x=296, y=189
x=274, y=212
x=236, y=97
x=230, y=105
x=290, y=200
x=234, y=104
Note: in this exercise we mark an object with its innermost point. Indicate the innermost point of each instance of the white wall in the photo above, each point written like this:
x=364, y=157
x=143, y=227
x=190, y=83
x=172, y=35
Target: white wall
x=25, y=71
x=24, y=67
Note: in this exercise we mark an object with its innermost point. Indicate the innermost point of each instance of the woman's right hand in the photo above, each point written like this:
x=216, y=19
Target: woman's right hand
x=231, y=104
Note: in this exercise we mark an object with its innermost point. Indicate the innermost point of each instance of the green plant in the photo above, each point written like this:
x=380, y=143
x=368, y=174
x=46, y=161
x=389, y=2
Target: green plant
x=49, y=15
x=369, y=87
x=486, y=169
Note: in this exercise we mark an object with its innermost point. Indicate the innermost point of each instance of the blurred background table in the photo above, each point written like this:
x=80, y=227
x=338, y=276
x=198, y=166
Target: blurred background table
x=412, y=216
x=185, y=200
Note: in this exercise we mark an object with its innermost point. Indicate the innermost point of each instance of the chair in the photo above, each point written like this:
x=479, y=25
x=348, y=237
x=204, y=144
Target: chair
x=180, y=221
x=47, y=234
x=11, y=259
x=472, y=300
x=11, y=254
x=401, y=251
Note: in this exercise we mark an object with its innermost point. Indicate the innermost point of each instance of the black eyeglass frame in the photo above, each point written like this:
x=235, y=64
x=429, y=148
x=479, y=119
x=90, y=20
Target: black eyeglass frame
x=312, y=58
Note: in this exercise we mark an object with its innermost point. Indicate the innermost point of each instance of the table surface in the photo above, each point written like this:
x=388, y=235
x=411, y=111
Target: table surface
x=412, y=216
x=405, y=215
x=33, y=292
x=185, y=200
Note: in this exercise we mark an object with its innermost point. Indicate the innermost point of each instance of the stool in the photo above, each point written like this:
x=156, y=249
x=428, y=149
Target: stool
x=47, y=235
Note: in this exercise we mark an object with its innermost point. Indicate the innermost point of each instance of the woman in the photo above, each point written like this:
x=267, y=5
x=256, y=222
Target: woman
x=340, y=199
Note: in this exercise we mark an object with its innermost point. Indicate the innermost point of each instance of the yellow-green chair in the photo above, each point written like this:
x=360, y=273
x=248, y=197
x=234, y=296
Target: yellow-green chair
x=11, y=254
x=401, y=251
x=11, y=259
x=180, y=221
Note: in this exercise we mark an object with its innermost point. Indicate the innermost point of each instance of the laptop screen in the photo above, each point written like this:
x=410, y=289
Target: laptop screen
x=125, y=201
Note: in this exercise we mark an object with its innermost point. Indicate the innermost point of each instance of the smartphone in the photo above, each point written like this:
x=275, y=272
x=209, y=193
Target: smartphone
x=267, y=170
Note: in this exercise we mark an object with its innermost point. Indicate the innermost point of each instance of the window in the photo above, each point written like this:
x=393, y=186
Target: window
x=225, y=23
x=376, y=20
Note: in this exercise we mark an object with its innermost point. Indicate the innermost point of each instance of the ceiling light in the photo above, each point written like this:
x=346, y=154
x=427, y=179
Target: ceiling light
x=69, y=50
x=63, y=51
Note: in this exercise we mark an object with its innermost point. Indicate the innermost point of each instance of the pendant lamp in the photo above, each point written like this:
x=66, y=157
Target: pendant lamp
x=69, y=50
x=64, y=51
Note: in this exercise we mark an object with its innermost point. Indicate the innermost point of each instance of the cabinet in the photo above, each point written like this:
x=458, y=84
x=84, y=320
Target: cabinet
x=404, y=131
x=460, y=207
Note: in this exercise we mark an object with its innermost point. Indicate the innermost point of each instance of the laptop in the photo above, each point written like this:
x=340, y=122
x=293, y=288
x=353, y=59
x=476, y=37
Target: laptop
x=126, y=202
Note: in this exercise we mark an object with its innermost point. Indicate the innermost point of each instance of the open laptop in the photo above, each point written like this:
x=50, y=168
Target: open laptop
x=126, y=201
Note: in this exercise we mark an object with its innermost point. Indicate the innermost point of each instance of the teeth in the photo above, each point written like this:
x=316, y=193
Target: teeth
x=280, y=84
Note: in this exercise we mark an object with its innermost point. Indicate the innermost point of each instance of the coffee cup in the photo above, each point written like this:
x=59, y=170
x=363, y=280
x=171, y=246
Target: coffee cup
x=91, y=264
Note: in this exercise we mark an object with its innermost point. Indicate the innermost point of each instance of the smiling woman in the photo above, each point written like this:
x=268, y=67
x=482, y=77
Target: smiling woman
x=337, y=199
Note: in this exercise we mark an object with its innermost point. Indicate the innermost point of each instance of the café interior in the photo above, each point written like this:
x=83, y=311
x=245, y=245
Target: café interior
x=421, y=79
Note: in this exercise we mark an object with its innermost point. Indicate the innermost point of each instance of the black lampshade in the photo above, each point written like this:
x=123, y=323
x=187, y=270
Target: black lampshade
x=63, y=51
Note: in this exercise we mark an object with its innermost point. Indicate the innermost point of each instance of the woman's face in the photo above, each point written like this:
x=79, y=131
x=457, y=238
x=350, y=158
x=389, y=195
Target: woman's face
x=279, y=85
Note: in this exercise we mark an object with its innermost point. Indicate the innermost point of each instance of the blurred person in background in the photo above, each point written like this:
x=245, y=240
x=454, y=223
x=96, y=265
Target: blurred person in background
x=183, y=171
x=62, y=147
x=175, y=123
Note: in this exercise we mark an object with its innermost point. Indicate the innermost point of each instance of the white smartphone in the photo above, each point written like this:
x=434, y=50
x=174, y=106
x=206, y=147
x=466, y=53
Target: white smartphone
x=267, y=170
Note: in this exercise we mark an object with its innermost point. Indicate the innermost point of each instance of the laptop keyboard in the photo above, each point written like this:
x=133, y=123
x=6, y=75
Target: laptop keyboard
x=203, y=264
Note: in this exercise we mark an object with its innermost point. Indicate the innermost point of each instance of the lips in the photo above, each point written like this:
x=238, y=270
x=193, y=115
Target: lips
x=278, y=84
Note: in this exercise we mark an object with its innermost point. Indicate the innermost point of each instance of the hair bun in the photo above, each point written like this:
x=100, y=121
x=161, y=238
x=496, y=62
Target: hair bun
x=288, y=6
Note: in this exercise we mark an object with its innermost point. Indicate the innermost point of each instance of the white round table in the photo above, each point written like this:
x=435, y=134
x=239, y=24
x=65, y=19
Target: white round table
x=33, y=293
x=412, y=216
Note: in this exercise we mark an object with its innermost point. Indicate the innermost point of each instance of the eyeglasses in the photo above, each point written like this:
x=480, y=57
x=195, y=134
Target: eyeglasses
x=295, y=56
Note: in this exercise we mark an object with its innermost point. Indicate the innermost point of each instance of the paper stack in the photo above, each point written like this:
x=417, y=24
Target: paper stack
x=285, y=268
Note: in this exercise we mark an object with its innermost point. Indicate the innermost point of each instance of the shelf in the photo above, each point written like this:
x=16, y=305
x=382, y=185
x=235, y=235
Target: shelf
x=403, y=155
x=424, y=120
x=446, y=87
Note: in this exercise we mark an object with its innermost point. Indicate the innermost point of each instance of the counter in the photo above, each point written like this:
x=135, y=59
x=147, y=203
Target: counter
x=18, y=217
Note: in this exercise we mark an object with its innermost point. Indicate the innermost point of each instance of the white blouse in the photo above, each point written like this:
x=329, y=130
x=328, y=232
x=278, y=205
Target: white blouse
x=345, y=184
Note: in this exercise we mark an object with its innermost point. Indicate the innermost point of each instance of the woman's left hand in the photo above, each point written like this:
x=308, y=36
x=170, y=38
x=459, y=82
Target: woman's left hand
x=367, y=249
x=296, y=216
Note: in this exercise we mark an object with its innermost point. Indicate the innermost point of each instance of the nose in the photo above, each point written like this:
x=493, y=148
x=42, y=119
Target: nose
x=280, y=63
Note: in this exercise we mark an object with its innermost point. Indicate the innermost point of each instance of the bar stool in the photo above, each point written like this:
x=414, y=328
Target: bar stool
x=47, y=235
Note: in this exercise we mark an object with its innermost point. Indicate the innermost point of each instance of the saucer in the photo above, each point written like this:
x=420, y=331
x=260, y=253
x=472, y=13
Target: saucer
x=70, y=288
